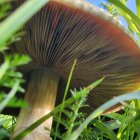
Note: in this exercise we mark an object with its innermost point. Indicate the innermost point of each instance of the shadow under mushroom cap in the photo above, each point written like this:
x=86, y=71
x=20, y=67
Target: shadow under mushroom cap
x=63, y=31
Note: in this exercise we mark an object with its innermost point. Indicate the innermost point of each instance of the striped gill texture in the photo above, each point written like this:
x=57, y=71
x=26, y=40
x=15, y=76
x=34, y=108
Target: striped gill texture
x=65, y=30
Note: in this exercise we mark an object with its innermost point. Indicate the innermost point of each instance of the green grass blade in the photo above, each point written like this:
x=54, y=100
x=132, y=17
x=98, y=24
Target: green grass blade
x=9, y=96
x=69, y=80
x=95, y=84
x=115, y=116
x=4, y=1
x=23, y=14
x=101, y=109
x=3, y=68
x=64, y=98
x=106, y=130
x=138, y=8
x=126, y=10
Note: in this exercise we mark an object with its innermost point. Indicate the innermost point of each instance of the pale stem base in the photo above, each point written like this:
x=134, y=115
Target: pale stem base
x=40, y=96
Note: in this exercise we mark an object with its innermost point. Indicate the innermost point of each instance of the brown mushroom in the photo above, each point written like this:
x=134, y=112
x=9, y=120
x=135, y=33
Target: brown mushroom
x=65, y=30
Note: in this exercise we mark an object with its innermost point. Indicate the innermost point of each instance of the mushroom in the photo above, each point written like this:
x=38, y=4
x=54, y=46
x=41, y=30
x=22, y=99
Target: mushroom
x=65, y=30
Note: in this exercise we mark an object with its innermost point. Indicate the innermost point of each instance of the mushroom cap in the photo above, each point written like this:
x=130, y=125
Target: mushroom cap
x=65, y=30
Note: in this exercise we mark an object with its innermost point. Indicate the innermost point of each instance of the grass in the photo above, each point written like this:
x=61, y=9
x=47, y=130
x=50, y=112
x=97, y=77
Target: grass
x=123, y=125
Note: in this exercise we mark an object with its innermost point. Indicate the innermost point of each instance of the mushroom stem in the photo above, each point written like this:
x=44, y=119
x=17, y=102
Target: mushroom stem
x=40, y=96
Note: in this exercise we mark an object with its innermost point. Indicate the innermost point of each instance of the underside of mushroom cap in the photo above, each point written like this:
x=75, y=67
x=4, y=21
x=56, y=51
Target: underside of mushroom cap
x=65, y=30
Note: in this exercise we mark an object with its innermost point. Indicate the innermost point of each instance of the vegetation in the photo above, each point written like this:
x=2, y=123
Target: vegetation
x=124, y=125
